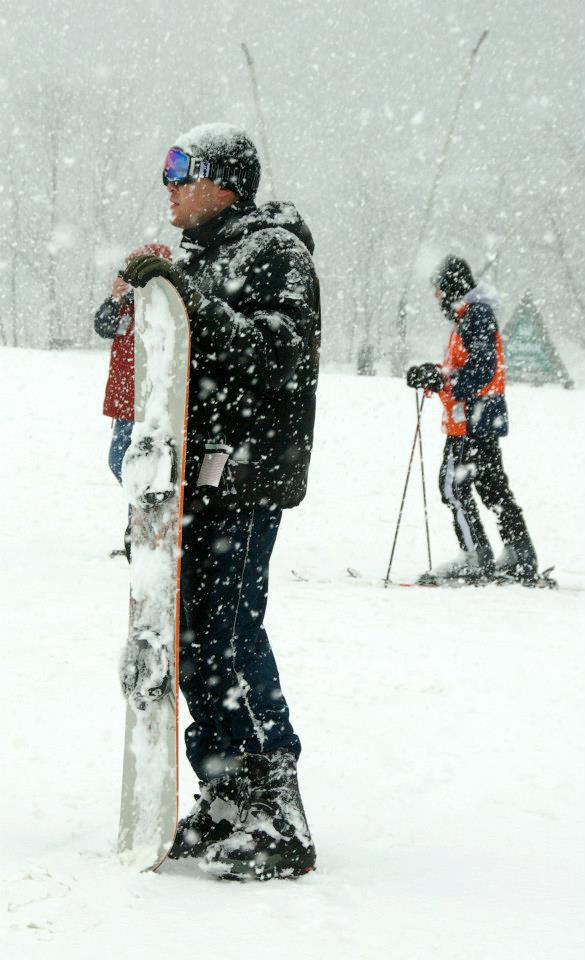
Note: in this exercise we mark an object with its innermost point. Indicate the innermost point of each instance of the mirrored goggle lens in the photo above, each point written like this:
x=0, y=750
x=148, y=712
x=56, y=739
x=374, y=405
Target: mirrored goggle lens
x=176, y=168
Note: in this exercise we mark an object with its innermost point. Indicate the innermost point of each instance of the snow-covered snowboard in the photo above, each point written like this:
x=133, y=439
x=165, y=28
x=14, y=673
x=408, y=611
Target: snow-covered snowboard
x=153, y=474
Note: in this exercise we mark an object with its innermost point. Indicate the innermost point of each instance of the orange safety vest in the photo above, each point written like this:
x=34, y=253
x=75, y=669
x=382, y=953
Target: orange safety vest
x=455, y=411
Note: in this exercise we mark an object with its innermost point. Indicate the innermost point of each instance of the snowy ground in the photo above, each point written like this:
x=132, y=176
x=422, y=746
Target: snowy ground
x=443, y=731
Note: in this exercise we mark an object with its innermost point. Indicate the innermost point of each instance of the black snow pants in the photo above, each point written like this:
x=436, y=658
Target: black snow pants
x=468, y=463
x=227, y=670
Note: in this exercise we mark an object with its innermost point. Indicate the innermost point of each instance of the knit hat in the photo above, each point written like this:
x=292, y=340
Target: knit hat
x=155, y=249
x=454, y=278
x=226, y=155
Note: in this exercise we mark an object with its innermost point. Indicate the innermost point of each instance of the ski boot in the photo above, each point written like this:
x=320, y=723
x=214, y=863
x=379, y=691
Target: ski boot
x=470, y=567
x=273, y=838
x=213, y=818
x=517, y=563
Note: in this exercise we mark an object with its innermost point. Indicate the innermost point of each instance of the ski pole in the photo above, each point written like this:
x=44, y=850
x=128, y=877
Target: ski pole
x=416, y=433
x=422, y=476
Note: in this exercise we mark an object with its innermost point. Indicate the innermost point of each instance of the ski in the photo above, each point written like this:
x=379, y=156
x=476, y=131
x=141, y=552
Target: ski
x=544, y=581
x=541, y=583
x=153, y=475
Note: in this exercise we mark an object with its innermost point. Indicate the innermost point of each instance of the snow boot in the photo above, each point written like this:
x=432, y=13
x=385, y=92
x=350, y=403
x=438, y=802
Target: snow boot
x=471, y=566
x=518, y=562
x=213, y=818
x=273, y=838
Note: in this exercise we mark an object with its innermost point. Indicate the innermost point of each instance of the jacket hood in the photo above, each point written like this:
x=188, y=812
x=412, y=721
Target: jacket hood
x=272, y=214
x=483, y=293
x=243, y=219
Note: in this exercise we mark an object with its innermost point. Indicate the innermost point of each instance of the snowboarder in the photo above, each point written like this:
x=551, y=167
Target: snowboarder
x=252, y=294
x=114, y=320
x=471, y=385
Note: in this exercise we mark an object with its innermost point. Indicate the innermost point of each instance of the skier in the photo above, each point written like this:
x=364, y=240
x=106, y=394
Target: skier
x=252, y=295
x=471, y=385
x=114, y=320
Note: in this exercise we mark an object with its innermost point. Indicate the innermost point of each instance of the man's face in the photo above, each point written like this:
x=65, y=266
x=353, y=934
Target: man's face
x=440, y=298
x=192, y=204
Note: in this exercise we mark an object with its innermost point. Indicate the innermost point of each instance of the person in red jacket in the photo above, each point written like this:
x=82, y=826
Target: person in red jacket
x=114, y=320
x=471, y=385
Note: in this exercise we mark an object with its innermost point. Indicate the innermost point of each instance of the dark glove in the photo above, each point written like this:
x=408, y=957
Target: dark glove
x=142, y=269
x=427, y=375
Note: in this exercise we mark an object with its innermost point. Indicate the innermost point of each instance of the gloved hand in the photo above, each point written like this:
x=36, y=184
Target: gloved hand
x=142, y=269
x=427, y=375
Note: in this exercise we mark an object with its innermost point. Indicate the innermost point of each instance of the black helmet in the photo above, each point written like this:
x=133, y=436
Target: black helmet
x=454, y=278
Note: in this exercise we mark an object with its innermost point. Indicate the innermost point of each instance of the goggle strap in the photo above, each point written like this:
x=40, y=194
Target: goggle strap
x=205, y=168
x=226, y=172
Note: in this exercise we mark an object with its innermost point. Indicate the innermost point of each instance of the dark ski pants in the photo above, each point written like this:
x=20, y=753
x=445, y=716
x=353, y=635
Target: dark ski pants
x=227, y=671
x=121, y=439
x=469, y=463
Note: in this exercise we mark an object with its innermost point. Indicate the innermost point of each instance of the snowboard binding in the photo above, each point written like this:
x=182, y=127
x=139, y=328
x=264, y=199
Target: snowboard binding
x=145, y=670
x=150, y=471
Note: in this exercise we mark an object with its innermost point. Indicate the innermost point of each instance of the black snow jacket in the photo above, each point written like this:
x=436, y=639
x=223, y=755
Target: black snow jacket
x=254, y=351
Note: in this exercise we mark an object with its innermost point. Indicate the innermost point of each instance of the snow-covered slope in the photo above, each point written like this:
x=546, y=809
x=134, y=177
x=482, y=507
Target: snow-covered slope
x=443, y=730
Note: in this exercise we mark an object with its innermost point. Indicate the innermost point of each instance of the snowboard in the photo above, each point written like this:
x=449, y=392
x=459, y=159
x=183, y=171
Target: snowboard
x=153, y=479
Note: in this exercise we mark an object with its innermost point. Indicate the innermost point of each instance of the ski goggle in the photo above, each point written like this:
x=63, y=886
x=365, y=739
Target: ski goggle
x=180, y=167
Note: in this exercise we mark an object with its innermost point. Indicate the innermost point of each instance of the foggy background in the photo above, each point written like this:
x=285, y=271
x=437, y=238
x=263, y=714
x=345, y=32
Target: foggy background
x=358, y=98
